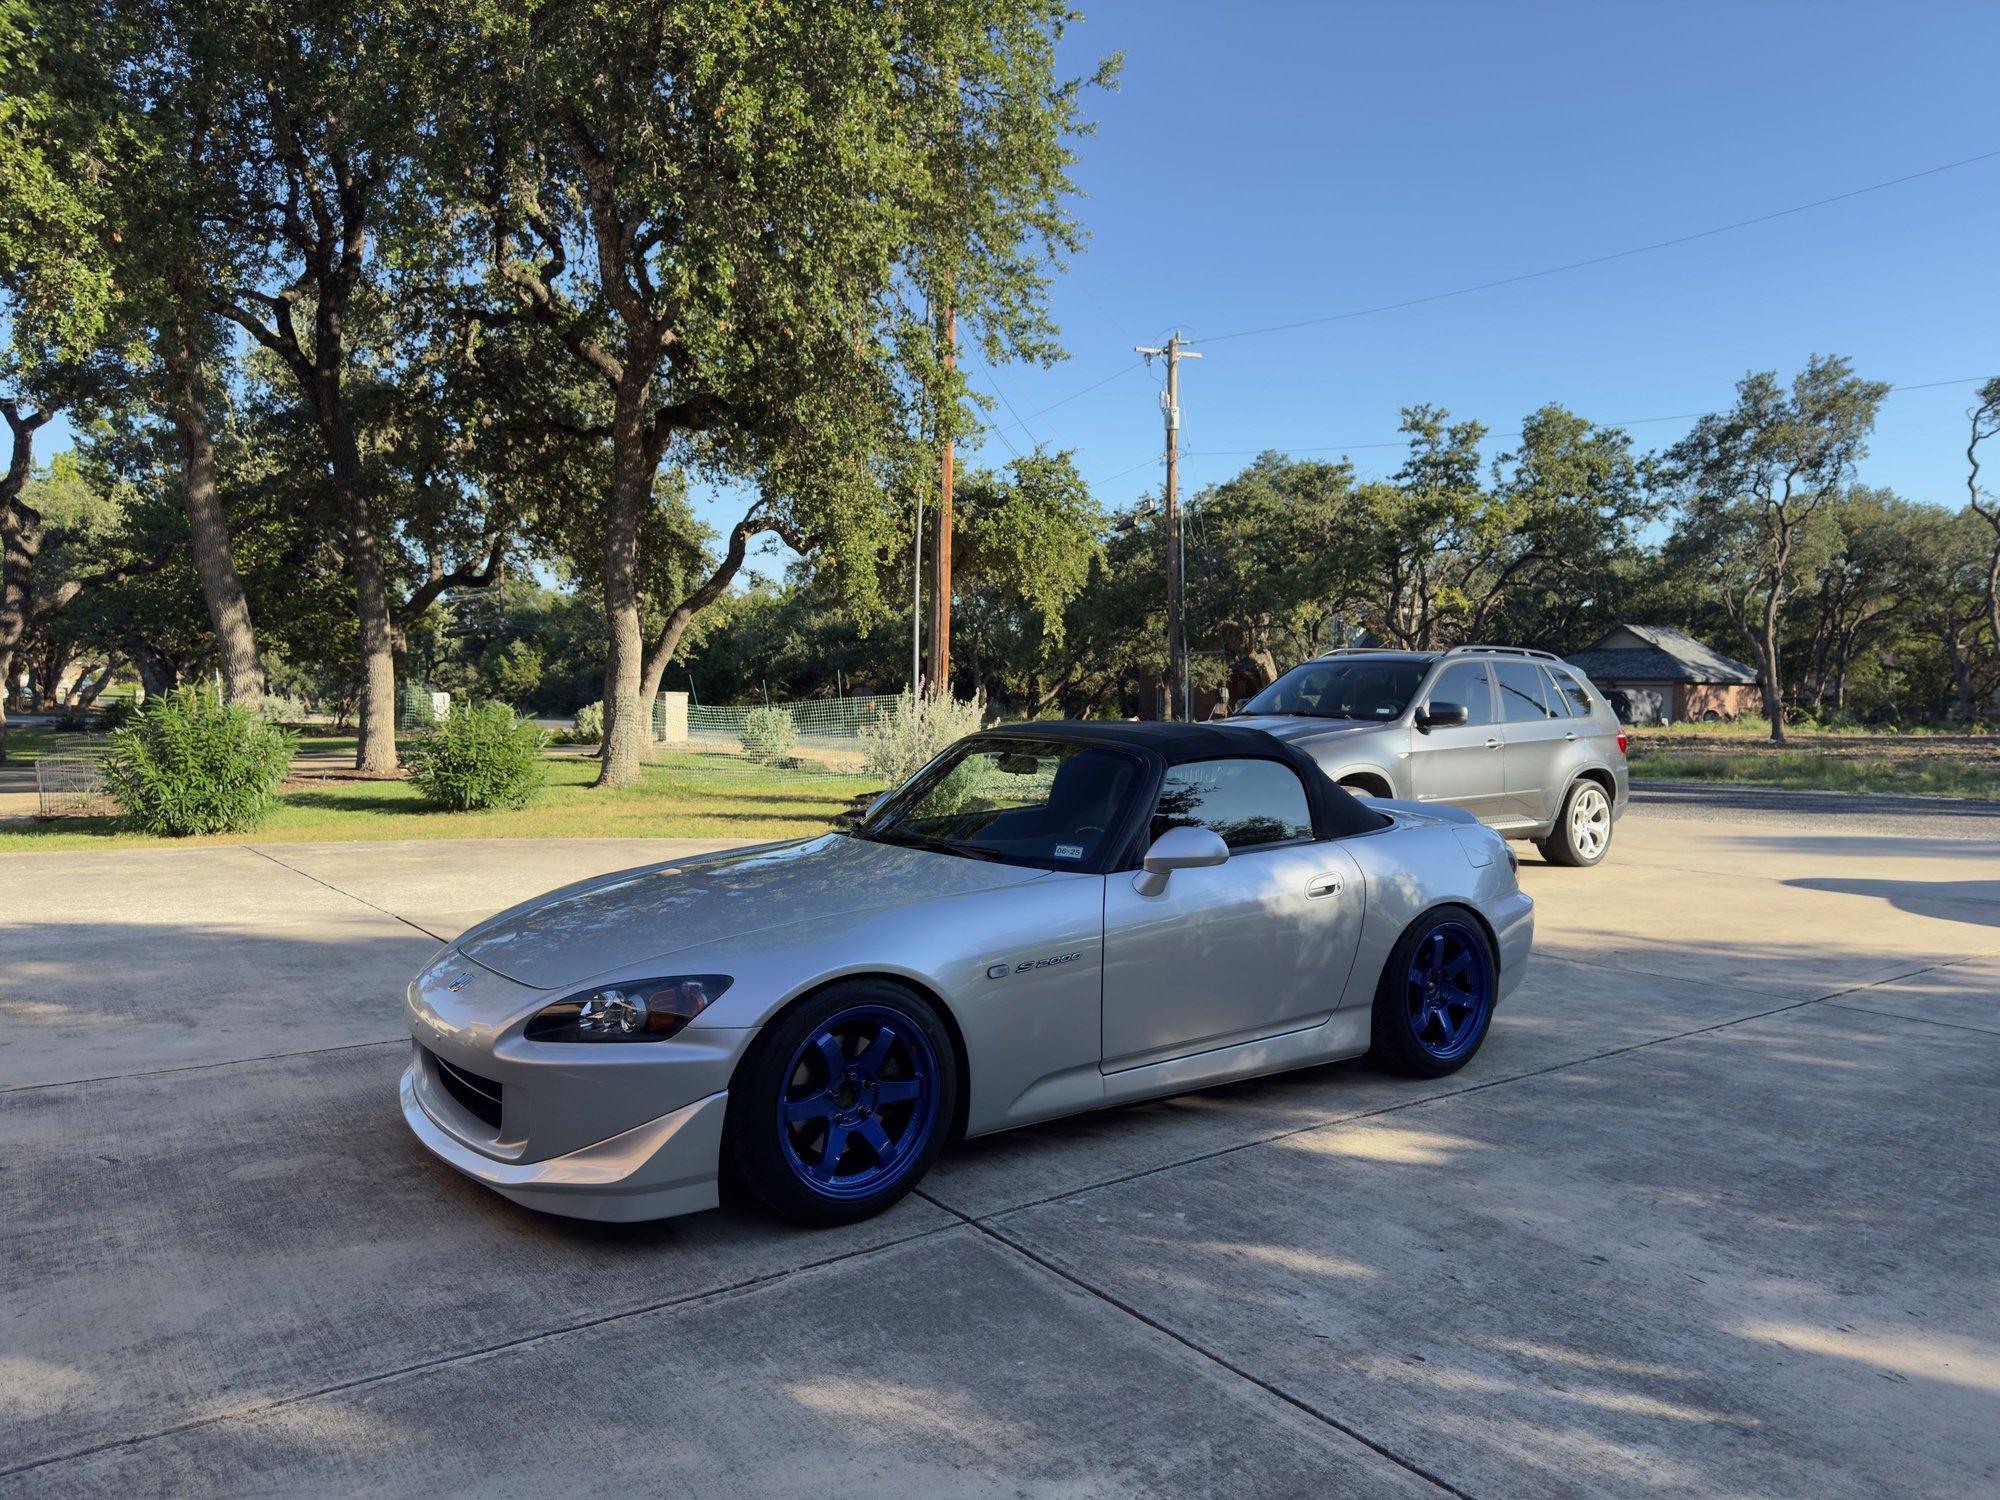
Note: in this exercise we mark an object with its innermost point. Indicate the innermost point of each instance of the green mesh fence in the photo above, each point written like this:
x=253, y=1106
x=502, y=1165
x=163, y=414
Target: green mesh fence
x=824, y=723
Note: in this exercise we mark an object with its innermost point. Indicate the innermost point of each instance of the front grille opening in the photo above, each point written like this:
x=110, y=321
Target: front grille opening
x=478, y=1097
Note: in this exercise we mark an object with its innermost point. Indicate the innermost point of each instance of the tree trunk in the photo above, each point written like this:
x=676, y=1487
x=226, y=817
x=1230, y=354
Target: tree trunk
x=20, y=541
x=157, y=675
x=627, y=730
x=103, y=680
x=376, y=753
x=214, y=561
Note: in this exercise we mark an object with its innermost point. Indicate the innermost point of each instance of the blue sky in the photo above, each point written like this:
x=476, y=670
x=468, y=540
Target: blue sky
x=1263, y=163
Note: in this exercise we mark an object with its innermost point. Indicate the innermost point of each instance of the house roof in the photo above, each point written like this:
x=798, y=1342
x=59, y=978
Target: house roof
x=1671, y=656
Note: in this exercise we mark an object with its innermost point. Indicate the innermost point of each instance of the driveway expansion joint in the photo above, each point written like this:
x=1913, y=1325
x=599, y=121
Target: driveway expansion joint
x=985, y=1227
x=393, y=916
x=467, y=1356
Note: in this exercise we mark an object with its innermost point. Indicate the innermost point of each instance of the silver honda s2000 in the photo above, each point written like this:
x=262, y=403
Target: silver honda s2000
x=1048, y=918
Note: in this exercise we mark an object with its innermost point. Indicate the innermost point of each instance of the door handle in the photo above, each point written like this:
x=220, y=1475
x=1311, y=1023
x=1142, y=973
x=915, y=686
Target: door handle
x=1494, y=744
x=1571, y=736
x=1323, y=885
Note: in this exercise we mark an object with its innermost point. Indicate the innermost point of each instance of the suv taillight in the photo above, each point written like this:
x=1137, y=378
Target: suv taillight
x=1621, y=742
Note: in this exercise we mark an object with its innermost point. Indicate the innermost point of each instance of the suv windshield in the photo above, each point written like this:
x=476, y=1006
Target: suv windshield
x=1344, y=688
x=1046, y=803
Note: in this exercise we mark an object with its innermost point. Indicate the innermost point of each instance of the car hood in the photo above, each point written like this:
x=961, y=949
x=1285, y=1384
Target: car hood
x=1298, y=727
x=615, y=921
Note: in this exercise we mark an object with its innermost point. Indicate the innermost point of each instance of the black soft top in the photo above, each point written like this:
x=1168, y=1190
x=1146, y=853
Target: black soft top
x=1335, y=811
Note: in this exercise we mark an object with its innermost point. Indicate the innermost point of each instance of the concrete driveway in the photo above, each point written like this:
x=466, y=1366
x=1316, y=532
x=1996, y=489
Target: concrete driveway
x=1714, y=1213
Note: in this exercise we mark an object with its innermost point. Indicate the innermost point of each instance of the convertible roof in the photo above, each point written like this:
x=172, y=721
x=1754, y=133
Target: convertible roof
x=1335, y=811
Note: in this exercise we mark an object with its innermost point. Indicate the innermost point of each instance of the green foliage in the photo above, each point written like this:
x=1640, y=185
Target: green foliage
x=768, y=734
x=514, y=671
x=913, y=733
x=188, y=764
x=587, y=728
x=479, y=757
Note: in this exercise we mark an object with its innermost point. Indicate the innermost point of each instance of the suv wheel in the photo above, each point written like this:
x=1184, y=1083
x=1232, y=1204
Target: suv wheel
x=1582, y=835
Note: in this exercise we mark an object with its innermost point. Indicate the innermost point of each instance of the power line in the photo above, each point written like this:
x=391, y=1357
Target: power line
x=1684, y=416
x=1074, y=395
x=1598, y=260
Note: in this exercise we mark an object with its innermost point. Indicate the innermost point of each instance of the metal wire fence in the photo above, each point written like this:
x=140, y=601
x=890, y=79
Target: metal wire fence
x=827, y=723
x=69, y=783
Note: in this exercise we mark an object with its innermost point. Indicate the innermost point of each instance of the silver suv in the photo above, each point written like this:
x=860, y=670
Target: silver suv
x=1518, y=738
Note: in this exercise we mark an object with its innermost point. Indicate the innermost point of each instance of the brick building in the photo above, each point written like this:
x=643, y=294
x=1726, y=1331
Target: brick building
x=1656, y=674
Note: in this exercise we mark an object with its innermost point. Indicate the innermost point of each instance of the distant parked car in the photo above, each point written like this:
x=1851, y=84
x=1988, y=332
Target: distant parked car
x=1517, y=738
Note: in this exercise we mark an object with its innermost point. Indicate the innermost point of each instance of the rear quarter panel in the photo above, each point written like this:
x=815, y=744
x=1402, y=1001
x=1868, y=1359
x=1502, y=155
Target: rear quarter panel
x=1421, y=863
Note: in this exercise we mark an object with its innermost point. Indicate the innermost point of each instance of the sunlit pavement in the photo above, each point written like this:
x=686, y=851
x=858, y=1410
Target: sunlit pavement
x=1715, y=1212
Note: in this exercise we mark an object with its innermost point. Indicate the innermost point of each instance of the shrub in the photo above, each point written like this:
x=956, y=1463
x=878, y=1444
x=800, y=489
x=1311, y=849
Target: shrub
x=768, y=734
x=587, y=728
x=189, y=764
x=911, y=734
x=480, y=757
x=282, y=708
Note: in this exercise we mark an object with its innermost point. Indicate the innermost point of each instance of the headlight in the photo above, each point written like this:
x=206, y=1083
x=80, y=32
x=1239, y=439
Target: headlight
x=633, y=1010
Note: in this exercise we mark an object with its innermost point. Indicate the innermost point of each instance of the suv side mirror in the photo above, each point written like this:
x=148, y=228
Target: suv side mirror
x=1178, y=849
x=1443, y=716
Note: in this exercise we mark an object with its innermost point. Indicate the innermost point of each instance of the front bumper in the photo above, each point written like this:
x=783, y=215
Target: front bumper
x=664, y=1167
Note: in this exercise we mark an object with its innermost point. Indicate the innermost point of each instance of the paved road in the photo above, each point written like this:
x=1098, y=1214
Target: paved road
x=1857, y=812
x=1716, y=1211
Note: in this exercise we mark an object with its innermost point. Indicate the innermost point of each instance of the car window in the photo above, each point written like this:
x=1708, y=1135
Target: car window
x=1523, y=693
x=1351, y=688
x=1465, y=682
x=1043, y=803
x=1248, y=802
x=1573, y=693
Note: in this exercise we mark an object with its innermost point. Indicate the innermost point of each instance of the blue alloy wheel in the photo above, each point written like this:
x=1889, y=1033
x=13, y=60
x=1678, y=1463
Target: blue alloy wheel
x=858, y=1102
x=1448, y=991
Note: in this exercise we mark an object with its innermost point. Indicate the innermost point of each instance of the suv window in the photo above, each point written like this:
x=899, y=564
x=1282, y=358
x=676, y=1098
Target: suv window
x=1574, y=693
x=1248, y=802
x=1523, y=693
x=1465, y=682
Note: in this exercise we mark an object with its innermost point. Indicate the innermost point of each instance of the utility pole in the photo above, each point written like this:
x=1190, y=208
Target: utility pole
x=1170, y=406
x=938, y=661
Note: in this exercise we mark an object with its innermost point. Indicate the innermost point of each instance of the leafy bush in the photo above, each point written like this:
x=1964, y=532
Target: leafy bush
x=587, y=728
x=480, y=757
x=282, y=708
x=189, y=764
x=911, y=734
x=768, y=734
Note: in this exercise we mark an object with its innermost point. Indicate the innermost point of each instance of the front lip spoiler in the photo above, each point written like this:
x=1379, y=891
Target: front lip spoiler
x=664, y=1167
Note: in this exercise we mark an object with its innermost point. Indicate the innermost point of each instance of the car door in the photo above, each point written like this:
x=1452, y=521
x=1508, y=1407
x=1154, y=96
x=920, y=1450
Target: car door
x=1535, y=723
x=1258, y=945
x=1463, y=765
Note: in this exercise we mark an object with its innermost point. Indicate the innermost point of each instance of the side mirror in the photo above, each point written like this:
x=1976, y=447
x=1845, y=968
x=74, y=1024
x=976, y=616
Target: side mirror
x=1443, y=716
x=1179, y=849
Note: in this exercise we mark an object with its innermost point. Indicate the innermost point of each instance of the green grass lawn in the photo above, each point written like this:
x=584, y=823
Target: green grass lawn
x=1922, y=771
x=681, y=796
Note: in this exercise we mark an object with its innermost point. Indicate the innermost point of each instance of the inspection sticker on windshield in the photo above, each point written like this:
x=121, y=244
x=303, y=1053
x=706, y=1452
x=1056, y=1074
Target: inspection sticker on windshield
x=1069, y=851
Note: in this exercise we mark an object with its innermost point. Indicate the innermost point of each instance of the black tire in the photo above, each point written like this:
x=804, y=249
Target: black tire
x=1395, y=1043
x=1582, y=835
x=768, y=1162
x=1362, y=788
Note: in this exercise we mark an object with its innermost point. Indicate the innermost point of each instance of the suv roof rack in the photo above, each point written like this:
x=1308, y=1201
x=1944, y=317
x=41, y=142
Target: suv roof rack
x=1503, y=651
x=1527, y=651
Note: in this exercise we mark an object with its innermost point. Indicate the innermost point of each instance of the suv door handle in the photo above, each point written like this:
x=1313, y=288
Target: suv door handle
x=1571, y=735
x=1493, y=744
x=1323, y=885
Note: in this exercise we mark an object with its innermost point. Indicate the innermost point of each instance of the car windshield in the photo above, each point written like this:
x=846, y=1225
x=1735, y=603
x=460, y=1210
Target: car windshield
x=1344, y=688
x=1044, y=803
